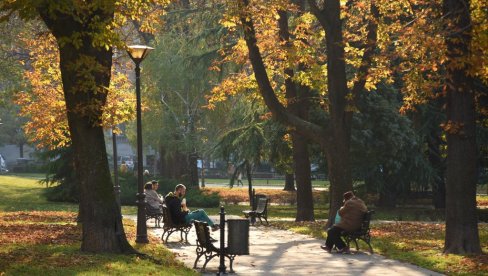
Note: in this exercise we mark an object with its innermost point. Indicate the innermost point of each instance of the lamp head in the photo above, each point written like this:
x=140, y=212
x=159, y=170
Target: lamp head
x=138, y=52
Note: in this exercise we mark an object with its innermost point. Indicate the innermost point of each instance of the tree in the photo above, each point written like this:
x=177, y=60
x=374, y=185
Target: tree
x=83, y=32
x=334, y=137
x=178, y=123
x=461, y=219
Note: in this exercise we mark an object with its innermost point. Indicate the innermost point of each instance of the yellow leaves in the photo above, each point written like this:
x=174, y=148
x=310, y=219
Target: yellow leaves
x=453, y=128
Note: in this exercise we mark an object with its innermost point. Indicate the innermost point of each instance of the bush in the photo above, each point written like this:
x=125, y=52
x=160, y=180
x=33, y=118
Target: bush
x=197, y=198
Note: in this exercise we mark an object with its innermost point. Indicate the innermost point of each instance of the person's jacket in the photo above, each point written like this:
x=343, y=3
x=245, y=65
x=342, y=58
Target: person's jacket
x=352, y=214
x=173, y=203
x=152, y=198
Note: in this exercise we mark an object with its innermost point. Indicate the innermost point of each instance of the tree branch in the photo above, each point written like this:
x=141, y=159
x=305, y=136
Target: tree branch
x=372, y=38
x=319, y=13
x=307, y=129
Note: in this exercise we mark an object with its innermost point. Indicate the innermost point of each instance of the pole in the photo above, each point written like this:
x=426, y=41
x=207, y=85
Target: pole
x=141, y=196
x=222, y=242
x=116, y=170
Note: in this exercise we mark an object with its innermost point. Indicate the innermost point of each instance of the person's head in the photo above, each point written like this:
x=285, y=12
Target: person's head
x=348, y=195
x=180, y=190
x=155, y=184
x=148, y=186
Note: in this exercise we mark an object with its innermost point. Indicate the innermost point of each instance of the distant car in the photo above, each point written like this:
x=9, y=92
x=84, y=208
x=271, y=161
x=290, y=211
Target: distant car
x=3, y=165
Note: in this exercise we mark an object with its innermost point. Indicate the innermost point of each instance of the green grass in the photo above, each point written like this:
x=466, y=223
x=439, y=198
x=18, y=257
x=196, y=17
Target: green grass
x=68, y=260
x=17, y=257
x=25, y=193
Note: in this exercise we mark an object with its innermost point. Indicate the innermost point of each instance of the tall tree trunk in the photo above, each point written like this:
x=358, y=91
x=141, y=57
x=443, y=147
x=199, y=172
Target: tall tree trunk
x=340, y=119
x=298, y=105
x=102, y=229
x=461, y=218
x=193, y=170
x=289, y=182
x=436, y=160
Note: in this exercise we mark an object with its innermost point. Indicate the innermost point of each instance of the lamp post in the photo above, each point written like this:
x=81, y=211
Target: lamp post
x=137, y=53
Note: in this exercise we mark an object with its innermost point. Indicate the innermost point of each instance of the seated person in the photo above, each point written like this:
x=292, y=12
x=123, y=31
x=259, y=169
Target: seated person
x=180, y=216
x=152, y=198
x=351, y=216
x=155, y=186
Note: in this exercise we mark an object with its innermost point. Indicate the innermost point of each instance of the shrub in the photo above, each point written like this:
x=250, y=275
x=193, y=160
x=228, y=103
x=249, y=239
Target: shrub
x=197, y=198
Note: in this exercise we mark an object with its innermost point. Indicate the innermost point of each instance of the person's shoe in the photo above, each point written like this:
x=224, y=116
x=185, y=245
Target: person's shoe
x=326, y=248
x=344, y=250
x=215, y=227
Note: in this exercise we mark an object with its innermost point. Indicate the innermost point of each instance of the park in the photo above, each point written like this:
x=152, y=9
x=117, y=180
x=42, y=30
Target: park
x=277, y=116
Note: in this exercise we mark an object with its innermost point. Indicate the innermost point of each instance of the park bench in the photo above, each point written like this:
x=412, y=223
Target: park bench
x=156, y=214
x=205, y=246
x=360, y=234
x=260, y=209
x=169, y=227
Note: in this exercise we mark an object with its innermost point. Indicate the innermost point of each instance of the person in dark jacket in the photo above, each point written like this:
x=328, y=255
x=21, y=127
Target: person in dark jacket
x=180, y=216
x=351, y=215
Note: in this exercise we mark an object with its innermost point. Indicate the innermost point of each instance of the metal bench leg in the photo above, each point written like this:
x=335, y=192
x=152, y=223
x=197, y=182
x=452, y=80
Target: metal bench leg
x=207, y=259
x=357, y=245
x=231, y=259
x=200, y=252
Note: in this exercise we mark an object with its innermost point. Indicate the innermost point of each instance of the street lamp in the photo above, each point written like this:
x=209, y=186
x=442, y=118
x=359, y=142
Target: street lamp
x=137, y=53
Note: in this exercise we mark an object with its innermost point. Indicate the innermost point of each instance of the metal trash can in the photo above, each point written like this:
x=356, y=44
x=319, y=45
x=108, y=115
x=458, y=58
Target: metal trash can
x=238, y=236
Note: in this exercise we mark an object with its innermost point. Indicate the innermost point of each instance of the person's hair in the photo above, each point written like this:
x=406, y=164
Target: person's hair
x=180, y=186
x=348, y=195
x=148, y=186
x=154, y=182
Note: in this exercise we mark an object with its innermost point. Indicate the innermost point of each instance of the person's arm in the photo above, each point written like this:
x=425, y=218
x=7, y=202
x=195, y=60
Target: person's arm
x=346, y=208
x=175, y=207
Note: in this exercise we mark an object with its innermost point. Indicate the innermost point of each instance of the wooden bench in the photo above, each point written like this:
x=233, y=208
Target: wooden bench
x=169, y=227
x=260, y=210
x=155, y=214
x=206, y=248
x=360, y=234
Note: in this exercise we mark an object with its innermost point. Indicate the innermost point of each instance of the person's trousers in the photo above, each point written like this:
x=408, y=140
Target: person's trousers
x=334, y=238
x=199, y=215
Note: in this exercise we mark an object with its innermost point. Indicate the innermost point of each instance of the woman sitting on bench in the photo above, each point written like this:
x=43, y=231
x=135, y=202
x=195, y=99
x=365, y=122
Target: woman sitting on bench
x=351, y=215
x=180, y=214
x=152, y=198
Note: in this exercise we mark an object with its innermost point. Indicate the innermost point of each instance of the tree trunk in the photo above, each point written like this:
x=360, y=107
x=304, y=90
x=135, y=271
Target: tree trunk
x=461, y=217
x=102, y=229
x=298, y=105
x=193, y=170
x=249, y=182
x=340, y=119
x=289, y=182
x=436, y=160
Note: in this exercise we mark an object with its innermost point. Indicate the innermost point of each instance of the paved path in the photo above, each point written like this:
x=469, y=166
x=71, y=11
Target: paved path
x=281, y=252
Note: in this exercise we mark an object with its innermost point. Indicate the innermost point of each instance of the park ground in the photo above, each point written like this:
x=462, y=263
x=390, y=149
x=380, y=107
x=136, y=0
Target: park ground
x=42, y=238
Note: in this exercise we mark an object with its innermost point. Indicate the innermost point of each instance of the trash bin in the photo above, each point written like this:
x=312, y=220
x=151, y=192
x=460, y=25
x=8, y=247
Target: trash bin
x=238, y=236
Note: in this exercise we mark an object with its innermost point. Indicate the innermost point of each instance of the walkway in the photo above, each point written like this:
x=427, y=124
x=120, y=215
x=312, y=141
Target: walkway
x=281, y=252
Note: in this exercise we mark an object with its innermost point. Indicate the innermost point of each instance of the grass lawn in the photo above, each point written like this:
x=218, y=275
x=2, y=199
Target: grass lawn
x=42, y=238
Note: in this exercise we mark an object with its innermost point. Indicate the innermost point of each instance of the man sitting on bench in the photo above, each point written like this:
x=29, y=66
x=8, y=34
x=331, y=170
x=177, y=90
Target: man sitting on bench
x=351, y=217
x=180, y=213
